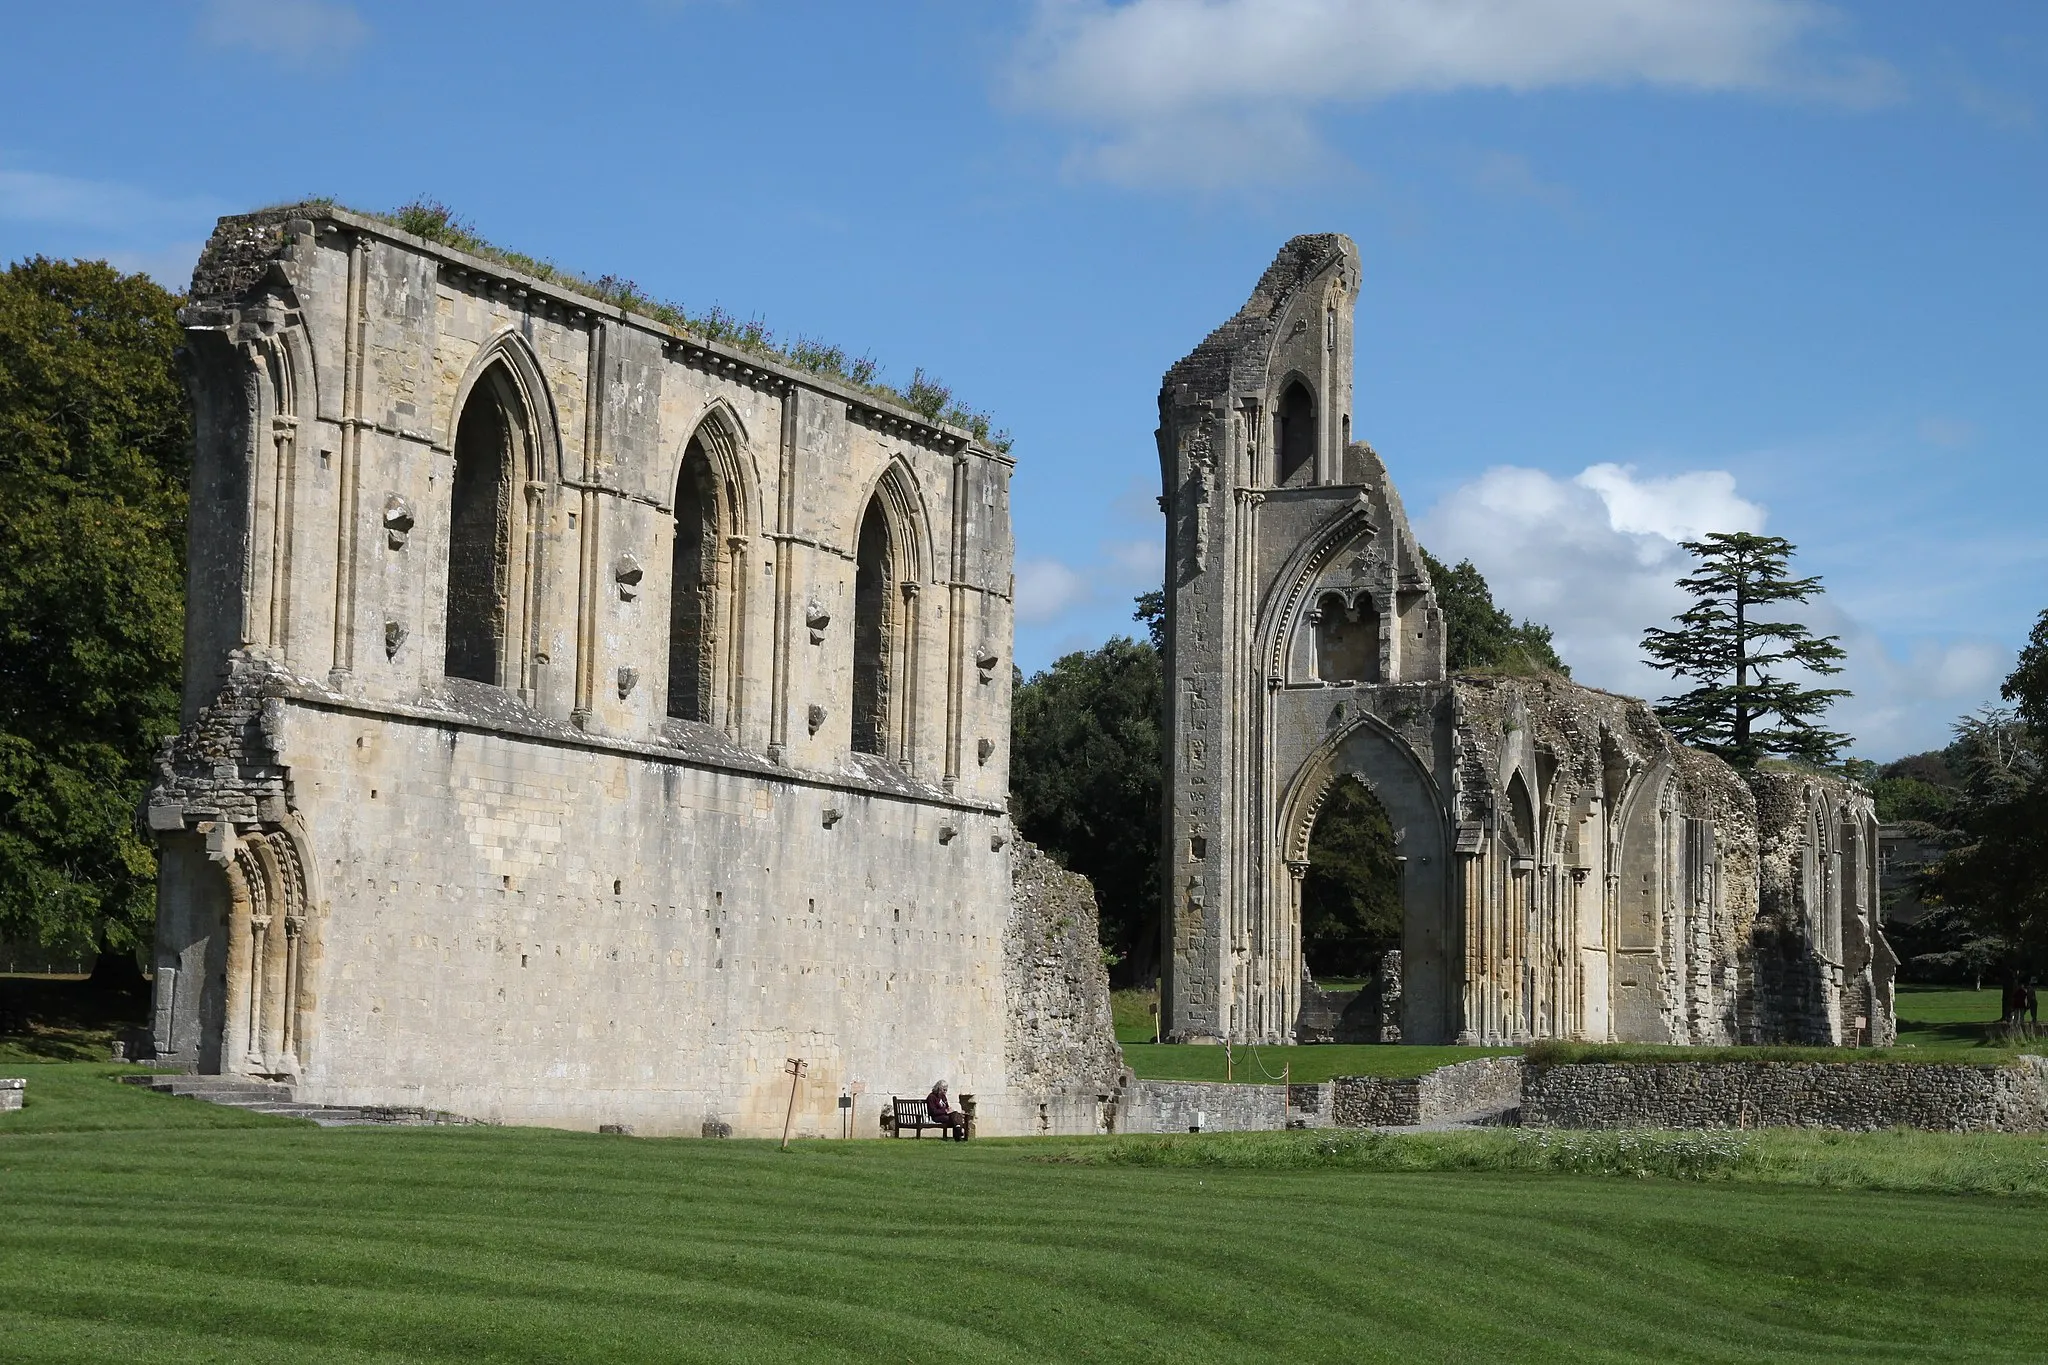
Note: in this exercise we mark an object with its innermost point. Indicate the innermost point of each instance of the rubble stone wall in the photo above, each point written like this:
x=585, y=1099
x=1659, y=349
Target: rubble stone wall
x=1853, y=1096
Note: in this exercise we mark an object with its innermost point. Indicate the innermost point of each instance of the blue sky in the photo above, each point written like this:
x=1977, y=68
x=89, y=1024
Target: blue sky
x=1636, y=269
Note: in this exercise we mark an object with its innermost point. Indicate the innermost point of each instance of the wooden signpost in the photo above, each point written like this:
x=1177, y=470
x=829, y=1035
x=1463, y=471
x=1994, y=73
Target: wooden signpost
x=795, y=1066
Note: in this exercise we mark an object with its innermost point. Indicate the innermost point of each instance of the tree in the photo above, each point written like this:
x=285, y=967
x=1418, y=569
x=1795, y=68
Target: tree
x=1722, y=645
x=94, y=452
x=1351, y=893
x=1085, y=783
x=1478, y=634
x=1994, y=878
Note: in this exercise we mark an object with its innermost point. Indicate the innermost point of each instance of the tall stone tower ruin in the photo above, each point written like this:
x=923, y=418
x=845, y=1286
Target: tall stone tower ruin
x=1567, y=869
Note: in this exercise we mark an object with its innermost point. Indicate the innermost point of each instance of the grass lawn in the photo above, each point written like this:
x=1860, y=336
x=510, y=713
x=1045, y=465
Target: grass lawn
x=268, y=1240
x=1936, y=1024
x=1304, y=1064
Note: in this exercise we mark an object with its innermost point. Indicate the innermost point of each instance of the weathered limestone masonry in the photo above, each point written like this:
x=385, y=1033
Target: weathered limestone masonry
x=1062, y=1044
x=1568, y=869
x=581, y=718
x=1858, y=1096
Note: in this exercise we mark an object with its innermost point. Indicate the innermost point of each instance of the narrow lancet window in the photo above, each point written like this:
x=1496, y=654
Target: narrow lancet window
x=693, y=589
x=874, y=572
x=1295, y=436
x=480, y=530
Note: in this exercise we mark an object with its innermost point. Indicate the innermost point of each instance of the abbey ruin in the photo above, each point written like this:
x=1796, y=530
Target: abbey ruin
x=583, y=718
x=1567, y=869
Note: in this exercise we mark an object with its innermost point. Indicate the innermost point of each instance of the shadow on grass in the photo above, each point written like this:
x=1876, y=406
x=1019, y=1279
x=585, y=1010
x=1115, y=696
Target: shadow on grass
x=62, y=1019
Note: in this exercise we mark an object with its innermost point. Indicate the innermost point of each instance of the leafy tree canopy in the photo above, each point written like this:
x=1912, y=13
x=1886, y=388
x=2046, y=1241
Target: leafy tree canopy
x=94, y=451
x=1994, y=879
x=1351, y=893
x=1085, y=785
x=1737, y=656
x=1480, y=636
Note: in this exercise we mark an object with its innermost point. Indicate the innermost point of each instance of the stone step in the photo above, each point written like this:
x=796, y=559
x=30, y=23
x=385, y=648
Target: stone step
x=275, y=1097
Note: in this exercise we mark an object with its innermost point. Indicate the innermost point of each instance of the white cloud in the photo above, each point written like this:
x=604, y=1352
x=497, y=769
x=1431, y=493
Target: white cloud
x=1596, y=557
x=1681, y=507
x=295, y=29
x=1047, y=589
x=1204, y=90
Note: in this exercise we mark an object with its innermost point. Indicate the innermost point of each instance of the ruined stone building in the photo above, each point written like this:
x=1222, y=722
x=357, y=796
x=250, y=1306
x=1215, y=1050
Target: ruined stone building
x=582, y=717
x=1568, y=869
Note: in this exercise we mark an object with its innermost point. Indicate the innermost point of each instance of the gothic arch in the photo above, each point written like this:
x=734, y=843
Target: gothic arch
x=1297, y=435
x=275, y=915
x=1400, y=779
x=902, y=500
x=508, y=348
x=1291, y=596
x=714, y=498
x=892, y=556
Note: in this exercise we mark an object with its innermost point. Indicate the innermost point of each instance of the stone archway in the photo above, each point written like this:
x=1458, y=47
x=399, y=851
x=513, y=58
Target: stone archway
x=1397, y=777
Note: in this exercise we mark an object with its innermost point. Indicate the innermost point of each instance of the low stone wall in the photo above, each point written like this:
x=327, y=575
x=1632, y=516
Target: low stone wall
x=1482, y=1085
x=1211, y=1106
x=1853, y=1096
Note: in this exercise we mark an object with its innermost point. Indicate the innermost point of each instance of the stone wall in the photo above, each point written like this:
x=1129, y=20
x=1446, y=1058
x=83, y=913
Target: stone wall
x=1485, y=1085
x=1207, y=1106
x=1060, y=1044
x=1855, y=1096
x=609, y=828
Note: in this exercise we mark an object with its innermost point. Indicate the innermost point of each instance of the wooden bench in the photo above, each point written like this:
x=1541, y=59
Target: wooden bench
x=910, y=1116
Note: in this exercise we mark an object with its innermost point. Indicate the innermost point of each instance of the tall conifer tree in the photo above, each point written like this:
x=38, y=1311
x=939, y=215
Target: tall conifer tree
x=1743, y=708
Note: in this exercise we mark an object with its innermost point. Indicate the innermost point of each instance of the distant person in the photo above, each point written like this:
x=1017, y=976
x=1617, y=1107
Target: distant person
x=2033, y=1005
x=940, y=1110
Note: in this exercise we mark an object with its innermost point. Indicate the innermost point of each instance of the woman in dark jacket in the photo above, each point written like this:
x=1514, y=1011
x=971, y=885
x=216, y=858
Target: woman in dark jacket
x=940, y=1111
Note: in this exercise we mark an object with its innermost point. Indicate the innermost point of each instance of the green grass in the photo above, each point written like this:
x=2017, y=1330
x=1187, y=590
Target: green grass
x=86, y=1098
x=283, y=1242
x=1941, y=1018
x=1132, y=1011
x=1935, y=1025
x=1899, y=1161
x=1306, y=1064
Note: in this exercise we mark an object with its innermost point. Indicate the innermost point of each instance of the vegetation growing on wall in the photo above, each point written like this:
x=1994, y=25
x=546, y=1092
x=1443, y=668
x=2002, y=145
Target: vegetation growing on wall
x=94, y=454
x=924, y=395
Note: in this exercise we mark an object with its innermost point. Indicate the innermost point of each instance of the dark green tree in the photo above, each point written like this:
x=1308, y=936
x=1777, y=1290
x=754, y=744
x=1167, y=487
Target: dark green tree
x=94, y=451
x=1994, y=878
x=1480, y=636
x=1351, y=893
x=1085, y=786
x=1743, y=709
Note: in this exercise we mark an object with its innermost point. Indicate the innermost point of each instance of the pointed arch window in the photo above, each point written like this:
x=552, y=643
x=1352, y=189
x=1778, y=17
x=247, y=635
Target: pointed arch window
x=707, y=602
x=888, y=566
x=490, y=551
x=874, y=573
x=1521, y=816
x=693, y=588
x=1294, y=444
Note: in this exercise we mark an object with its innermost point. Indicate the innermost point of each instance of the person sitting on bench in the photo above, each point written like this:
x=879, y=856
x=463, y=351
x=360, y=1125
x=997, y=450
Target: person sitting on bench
x=940, y=1111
